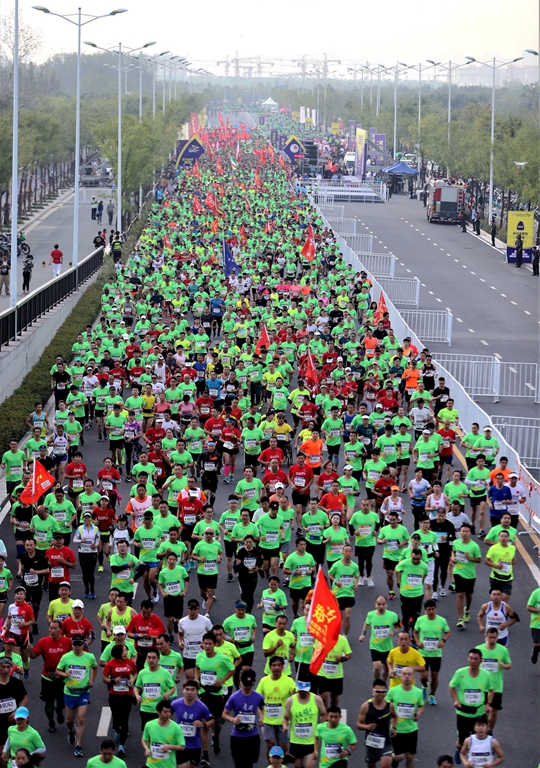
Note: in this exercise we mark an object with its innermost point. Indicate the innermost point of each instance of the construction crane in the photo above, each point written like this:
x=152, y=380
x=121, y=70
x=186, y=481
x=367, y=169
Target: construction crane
x=319, y=64
x=226, y=63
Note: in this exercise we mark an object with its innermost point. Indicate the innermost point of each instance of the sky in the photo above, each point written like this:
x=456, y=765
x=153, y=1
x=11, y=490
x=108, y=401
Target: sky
x=284, y=30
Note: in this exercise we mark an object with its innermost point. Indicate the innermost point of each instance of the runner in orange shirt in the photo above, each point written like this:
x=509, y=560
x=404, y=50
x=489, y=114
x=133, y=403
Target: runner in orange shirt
x=313, y=449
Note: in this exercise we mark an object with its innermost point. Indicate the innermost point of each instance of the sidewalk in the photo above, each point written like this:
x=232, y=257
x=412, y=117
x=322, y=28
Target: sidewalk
x=499, y=245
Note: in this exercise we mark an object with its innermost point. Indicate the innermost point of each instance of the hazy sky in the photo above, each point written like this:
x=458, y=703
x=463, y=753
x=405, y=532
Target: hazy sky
x=349, y=30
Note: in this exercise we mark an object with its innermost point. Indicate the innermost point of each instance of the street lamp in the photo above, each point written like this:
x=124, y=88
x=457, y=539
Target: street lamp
x=118, y=52
x=449, y=68
x=418, y=68
x=77, y=20
x=153, y=59
x=494, y=65
x=535, y=53
x=15, y=166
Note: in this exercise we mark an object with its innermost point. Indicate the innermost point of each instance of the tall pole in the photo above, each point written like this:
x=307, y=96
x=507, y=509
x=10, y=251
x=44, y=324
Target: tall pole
x=378, y=94
x=15, y=166
x=362, y=91
x=140, y=87
x=419, y=99
x=492, y=144
x=77, y=154
x=395, y=110
x=119, y=174
x=449, y=99
x=371, y=90
x=170, y=80
x=154, y=87
x=163, y=108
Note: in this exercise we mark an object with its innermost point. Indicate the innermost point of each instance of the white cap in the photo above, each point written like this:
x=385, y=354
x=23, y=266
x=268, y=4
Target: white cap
x=119, y=630
x=487, y=429
x=77, y=604
x=426, y=432
x=279, y=485
x=348, y=466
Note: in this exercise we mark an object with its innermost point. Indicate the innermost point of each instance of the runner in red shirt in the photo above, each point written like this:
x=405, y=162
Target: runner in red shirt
x=447, y=449
x=228, y=447
x=78, y=624
x=61, y=559
x=19, y=621
x=307, y=411
x=204, y=405
x=120, y=674
x=274, y=474
x=382, y=488
x=335, y=501
x=387, y=398
x=272, y=452
x=326, y=478
x=161, y=462
x=108, y=477
x=105, y=517
x=214, y=426
x=153, y=434
x=144, y=628
x=51, y=649
x=301, y=477
x=76, y=475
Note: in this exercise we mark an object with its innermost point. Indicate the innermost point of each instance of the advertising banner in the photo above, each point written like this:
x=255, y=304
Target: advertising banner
x=520, y=223
x=188, y=150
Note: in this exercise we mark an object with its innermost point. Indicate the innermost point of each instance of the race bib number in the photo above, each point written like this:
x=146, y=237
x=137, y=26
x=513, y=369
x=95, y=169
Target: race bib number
x=228, y=445
x=273, y=710
x=173, y=588
x=190, y=520
x=330, y=668
x=156, y=751
x=107, y=485
x=473, y=697
x=271, y=537
x=145, y=642
x=303, y=730
x=77, y=673
x=7, y=706
x=461, y=557
x=241, y=634
x=300, y=482
x=405, y=711
x=392, y=545
x=250, y=562
x=148, y=543
x=346, y=581
x=490, y=665
x=364, y=531
x=125, y=574
x=78, y=482
x=30, y=579
x=332, y=751
x=430, y=643
x=381, y=633
x=209, y=466
x=208, y=678
x=504, y=567
x=121, y=685
x=188, y=730
x=306, y=640
x=191, y=649
x=413, y=580
x=375, y=741
x=336, y=549
x=57, y=572
x=210, y=566
x=151, y=691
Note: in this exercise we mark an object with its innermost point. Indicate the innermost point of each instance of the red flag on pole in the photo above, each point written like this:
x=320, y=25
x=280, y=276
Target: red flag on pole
x=196, y=170
x=308, y=249
x=258, y=182
x=324, y=621
x=381, y=308
x=40, y=483
x=282, y=162
x=264, y=340
x=197, y=208
x=219, y=167
x=215, y=226
x=311, y=372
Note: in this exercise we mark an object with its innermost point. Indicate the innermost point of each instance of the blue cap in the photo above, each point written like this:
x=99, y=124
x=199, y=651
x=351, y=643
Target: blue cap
x=22, y=712
x=303, y=686
x=274, y=751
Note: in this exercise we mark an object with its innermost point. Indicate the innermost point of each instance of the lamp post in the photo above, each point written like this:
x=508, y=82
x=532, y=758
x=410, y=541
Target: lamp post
x=153, y=58
x=449, y=68
x=119, y=52
x=15, y=166
x=419, y=69
x=494, y=65
x=535, y=53
x=80, y=20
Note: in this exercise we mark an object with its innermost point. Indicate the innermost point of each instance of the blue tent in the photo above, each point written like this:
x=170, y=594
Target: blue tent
x=401, y=168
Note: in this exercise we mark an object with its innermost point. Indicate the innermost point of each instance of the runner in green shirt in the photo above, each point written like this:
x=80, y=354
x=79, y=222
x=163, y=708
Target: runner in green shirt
x=471, y=688
x=334, y=741
x=431, y=632
x=495, y=660
x=408, y=703
x=382, y=624
x=299, y=566
x=465, y=554
x=394, y=537
x=153, y=684
x=162, y=738
x=344, y=575
x=533, y=607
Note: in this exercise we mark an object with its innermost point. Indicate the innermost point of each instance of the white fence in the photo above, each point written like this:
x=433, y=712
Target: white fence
x=401, y=290
x=343, y=226
x=475, y=372
x=360, y=243
x=324, y=198
x=336, y=211
x=379, y=264
x=516, y=380
x=430, y=325
x=523, y=434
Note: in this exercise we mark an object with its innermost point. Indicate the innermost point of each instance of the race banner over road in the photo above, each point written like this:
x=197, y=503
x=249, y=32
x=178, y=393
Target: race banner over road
x=188, y=150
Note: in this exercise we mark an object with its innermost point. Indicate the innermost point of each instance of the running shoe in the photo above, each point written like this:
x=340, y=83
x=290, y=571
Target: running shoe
x=370, y=582
x=466, y=616
x=432, y=700
x=78, y=751
x=442, y=592
x=391, y=595
x=460, y=624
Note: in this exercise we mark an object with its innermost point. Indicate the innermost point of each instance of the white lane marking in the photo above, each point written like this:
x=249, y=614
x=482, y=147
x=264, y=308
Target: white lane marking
x=402, y=264
x=492, y=287
x=473, y=273
x=434, y=243
x=408, y=270
x=429, y=238
x=423, y=235
x=441, y=249
x=527, y=313
x=530, y=386
x=385, y=247
x=535, y=572
x=448, y=254
x=471, y=330
x=430, y=293
x=439, y=300
x=503, y=295
x=406, y=221
x=482, y=280
x=104, y=722
x=498, y=356
x=448, y=309
x=416, y=230
x=514, y=303
x=423, y=285
x=464, y=266
x=456, y=260
x=484, y=343
x=459, y=319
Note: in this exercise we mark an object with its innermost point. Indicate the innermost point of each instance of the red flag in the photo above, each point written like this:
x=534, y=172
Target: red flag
x=242, y=231
x=381, y=308
x=220, y=118
x=258, y=182
x=219, y=167
x=215, y=226
x=282, y=162
x=264, y=340
x=311, y=376
x=210, y=201
x=271, y=153
x=308, y=249
x=197, y=208
x=248, y=206
x=166, y=241
x=40, y=483
x=324, y=621
x=196, y=171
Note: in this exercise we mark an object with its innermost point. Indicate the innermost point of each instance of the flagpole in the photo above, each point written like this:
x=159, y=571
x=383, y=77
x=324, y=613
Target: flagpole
x=34, y=478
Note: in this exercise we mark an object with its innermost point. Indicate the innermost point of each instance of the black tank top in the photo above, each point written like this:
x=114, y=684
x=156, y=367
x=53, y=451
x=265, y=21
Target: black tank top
x=381, y=718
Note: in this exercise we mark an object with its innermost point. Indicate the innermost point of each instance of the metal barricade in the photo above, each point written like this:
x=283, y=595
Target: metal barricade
x=523, y=434
x=401, y=290
x=430, y=325
x=379, y=264
x=342, y=226
x=516, y=380
x=476, y=373
x=336, y=211
x=360, y=243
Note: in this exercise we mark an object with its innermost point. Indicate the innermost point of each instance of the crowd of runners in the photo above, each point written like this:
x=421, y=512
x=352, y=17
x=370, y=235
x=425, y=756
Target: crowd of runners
x=264, y=422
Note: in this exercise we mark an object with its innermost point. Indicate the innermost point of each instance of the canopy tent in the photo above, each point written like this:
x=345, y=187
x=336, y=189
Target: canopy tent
x=401, y=169
x=270, y=105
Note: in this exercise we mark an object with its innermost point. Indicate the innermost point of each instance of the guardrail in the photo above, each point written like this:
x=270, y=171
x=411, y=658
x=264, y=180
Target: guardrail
x=343, y=226
x=524, y=434
x=515, y=380
x=18, y=319
x=336, y=211
x=400, y=290
x=475, y=372
x=360, y=243
x=379, y=264
x=430, y=325
x=469, y=411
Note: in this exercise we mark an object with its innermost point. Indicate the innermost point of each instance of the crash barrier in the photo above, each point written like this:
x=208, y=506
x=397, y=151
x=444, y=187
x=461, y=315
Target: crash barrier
x=401, y=290
x=524, y=434
x=379, y=264
x=430, y=325
x=343, y=226
x=360, y=243
x=475, y=372
x=516, y=380
x=487, y=376
x=334, y=211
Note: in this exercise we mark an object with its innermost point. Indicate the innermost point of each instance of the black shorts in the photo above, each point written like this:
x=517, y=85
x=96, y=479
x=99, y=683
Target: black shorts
x=188, y=663
x=464, y=727
x=333, y=450
x=105, y=536
x=207, y=581
x=300, y=498
x=389, y=565
x=268, y=554
x=173, y=606
x=317, y=551
x=247, y=658
x=404, y=743
x=464, y=585
x=433, y=663
x=298, y=594
x=346, y=602
x=230, y=548
x=381, y=656
x=21, y=641
x=497, y=702
x=115, y=445
x=475, y=500
x=403, y=462
x=502, y=584
x=333, y=686
x=100, y=414
x=3, y=597
x=192, y=756
x=446, y=459
x=215, y=703
x=185, y=535
x=298, y=751
x=250, y=460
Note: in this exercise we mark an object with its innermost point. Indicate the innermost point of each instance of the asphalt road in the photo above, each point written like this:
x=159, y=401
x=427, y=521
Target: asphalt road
x=516, y=730
x=495, y=306
x=55, y=226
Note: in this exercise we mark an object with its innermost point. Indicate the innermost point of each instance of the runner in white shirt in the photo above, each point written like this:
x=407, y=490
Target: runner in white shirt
x=190, y=633
x=518, y=497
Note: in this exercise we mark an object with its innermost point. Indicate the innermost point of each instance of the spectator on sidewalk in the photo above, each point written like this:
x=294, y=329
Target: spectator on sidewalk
x=93, y=207
x=110, y=211
x=57, y=257
x=4, y=275
x=100, y=211
x=493, y=232
x=536, y=260
x=99, y=241
x=519, y=251
x=28, y=266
